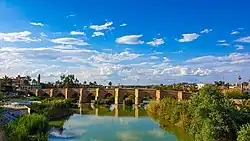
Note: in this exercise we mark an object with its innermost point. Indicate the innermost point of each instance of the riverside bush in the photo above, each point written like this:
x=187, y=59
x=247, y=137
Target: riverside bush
x=207, y=116
x=244, y=133
x=28, y=127
x=235, y=94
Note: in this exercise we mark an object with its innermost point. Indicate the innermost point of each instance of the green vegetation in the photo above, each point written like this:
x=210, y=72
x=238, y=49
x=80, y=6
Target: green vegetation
x=235, y=94
x=28, y=127
x=35, y=126
x=207, y=116
x=53, y=108
x=244, y=133
x=107, y=101
x=129, y=100
x=187, y=87
x=57, y=123
x=1, y=95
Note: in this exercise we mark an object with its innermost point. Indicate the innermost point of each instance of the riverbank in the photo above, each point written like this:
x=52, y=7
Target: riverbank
x=207, y=116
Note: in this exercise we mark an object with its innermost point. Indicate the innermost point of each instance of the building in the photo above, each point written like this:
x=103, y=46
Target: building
x=18, y=81
x=200, y=85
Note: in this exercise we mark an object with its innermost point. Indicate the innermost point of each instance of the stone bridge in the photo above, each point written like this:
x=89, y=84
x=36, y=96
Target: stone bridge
x=85, y=95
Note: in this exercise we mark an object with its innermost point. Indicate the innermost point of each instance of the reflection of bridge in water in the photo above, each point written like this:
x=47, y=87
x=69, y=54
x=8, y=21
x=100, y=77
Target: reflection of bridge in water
x=116, y=110
x=85, y=95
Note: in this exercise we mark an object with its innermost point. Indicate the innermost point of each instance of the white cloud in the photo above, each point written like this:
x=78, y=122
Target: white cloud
x=77, y=33
x=223, y=44
x=180, y=51
x=221, y=41
x=235, y=32
x=231, y=58
x=102, y=27
x=124, y=24
x=243, y=39
x=63, y=47
x=165, y=59
x=119, y=67
x=130, y=40
x=239, y=47
x=154, y=57
x=36, y=24
x=189, y=37
x=206, y=31
x=114, y=57
x=96, y=34
x=18, y=37
x=156, y=42
x=71, y=15
x=43, y=35
x=69, y=41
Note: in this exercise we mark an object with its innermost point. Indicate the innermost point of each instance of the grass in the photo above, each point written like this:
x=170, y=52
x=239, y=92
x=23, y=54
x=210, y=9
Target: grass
x=57, y=123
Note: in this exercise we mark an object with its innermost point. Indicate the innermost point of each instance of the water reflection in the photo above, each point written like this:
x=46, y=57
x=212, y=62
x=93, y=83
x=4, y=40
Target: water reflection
x=112, y=123
x=113, y=110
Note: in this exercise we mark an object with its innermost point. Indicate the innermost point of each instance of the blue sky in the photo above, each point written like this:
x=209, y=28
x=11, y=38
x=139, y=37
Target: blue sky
x=125, y=41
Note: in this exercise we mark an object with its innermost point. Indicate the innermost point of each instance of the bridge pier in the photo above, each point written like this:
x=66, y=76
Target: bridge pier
x=116, y=96
x=96, y=93
x=136, y=111
x=51, y=93
x=81, y=96
x=116, y=110
x=97, y=111
x=37, y=92
x=158, y=95
x=66, y=93
x=180, y=95
x=136, y=96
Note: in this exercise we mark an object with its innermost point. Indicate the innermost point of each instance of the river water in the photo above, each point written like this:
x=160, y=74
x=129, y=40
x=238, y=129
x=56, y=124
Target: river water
x=114, y=124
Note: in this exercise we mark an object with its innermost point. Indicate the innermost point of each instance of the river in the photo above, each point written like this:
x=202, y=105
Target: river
x=114, y=124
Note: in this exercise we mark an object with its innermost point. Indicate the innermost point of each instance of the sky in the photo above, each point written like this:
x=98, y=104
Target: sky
x=126, y=41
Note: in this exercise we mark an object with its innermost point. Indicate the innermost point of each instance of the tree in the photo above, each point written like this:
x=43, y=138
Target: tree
x=27, y=80
x=244, y=133
x=6, y=83
x=69, y=81
x=95, y=84
x=211, y=116
x=110, y=83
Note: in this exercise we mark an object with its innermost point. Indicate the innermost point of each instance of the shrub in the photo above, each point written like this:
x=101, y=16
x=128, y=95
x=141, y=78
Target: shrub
x=169, y=110
x=244, y=133
x=235, y=94
x=153, y=108
x=26, y=127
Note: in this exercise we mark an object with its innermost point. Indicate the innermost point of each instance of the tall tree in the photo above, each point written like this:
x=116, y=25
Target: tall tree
x=110, y=83
x=27, y=80
x=69, y=81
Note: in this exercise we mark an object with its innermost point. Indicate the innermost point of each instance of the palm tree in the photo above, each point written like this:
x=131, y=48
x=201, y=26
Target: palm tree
x=27, y=80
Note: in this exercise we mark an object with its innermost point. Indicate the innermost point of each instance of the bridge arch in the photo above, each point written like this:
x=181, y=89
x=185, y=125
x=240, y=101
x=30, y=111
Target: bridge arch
x=90, y=97
x=60, y=95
